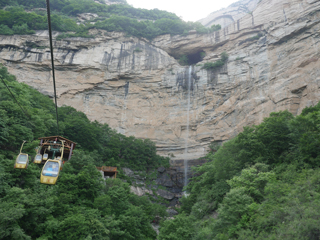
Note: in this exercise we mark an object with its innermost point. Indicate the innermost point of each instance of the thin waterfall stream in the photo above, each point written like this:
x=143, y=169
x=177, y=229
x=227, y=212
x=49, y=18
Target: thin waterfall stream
x=187, y=136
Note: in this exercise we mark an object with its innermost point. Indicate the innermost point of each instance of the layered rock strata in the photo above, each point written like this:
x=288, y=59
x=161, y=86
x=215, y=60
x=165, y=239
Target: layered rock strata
x=138, y=87
x=231, y=14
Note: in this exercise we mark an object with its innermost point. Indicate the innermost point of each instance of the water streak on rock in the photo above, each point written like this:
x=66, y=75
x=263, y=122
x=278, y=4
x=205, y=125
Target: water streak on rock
x=189, y=79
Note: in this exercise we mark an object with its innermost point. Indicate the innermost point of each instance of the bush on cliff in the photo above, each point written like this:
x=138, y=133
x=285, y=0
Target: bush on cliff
x=217, y=64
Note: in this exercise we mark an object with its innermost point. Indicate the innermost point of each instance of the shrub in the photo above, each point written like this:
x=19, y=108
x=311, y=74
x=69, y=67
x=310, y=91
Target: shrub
x=215, y=28
x=5, y=30
x=216, y=64
x=22, y=29
x=183, y=60
x=137, y=50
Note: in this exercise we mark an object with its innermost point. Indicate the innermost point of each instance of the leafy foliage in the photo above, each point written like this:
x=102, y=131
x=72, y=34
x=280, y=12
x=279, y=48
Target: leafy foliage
x=263, y=184
x=178, y=228
x=215, y=28
x=183, y=60
x=116, y=17
x=81, y=205
x=216, y=64
x=15, y=20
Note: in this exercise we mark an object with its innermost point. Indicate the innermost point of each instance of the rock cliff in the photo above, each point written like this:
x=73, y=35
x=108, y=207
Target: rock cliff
x=138, y=87
x=167, y=183
x=231, y=14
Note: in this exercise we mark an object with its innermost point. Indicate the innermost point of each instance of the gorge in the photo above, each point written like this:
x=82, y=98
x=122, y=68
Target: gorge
x=138, y=87
x=230, y=102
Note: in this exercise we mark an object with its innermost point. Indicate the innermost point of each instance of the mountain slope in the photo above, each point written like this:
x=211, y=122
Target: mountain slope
x=139, y=88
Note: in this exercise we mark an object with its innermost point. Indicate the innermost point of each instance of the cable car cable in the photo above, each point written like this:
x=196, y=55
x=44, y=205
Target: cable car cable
x=52, y=62
x=15, y=98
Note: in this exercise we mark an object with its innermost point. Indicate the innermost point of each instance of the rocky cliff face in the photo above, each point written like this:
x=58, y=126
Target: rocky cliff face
x=167, y=183
x=138, y=87
x=231, y=14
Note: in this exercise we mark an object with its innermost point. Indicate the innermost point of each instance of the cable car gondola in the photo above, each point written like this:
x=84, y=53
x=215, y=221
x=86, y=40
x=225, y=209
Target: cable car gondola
x=51, y=169
x=55, y=150
x=22, y=159
x=45, y=156
x=38, y=157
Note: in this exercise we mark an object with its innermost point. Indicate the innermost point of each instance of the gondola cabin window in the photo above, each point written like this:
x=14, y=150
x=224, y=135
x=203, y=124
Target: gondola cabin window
x=51, y=169
x=22, y=159
x=45, y=156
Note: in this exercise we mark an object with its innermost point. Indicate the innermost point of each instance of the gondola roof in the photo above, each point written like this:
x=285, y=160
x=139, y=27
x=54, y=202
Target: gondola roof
x=53, y=138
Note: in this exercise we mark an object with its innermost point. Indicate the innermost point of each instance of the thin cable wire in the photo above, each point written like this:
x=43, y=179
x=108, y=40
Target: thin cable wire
x=52, y=63
x=15, y=98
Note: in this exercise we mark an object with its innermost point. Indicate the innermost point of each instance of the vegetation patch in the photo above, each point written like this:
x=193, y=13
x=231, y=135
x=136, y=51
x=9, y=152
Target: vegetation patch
x=217, y=64
x=251, y=39
x=78, y=34
x=115, y=17
x=34, y=45
x=263, y=184
x=215, y=28
x=192, y=58
x=239, y=58
x=137, y=50
x=82, y=205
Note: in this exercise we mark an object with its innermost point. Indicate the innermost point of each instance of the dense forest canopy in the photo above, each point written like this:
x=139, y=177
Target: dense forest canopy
x=24, y=17
x=263, y=184
x=74, y=7
x=82, y=205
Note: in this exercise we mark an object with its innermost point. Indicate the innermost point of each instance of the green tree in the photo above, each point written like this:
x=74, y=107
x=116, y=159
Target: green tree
x=179, y=228
x=5, y=30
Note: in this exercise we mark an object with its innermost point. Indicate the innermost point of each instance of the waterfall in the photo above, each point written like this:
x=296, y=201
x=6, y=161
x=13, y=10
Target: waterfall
x=124, y=117
x=187, y=137
x=122, y=128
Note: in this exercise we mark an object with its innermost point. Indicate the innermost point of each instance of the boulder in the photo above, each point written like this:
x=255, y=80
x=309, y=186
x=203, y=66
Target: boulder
x=165, y=194
x=140, y=191
x=171, y=212
x=165, y=180
x=128, y=172
x=161, y=169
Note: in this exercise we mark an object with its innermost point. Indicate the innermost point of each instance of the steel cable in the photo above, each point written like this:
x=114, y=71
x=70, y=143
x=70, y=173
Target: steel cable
x=15, y=98
x=52, y=62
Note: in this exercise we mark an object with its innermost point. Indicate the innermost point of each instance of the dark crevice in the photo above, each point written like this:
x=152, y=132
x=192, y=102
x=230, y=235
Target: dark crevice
x=191, y=58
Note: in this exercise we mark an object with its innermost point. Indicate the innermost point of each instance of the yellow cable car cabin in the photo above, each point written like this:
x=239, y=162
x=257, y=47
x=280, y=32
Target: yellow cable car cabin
x=38, y=158
x=50, y=171
x=55, y=151
x=45, y=156
x=22, y=159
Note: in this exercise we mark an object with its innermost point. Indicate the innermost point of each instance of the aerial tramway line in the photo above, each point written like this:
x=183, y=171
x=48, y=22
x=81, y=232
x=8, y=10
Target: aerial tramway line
x=52, y=151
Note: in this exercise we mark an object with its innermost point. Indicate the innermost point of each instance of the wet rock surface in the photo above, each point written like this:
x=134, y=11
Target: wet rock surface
x=164, y=182
x=165, y=194
x=171, y=212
